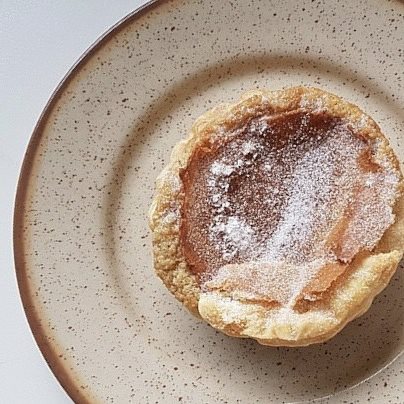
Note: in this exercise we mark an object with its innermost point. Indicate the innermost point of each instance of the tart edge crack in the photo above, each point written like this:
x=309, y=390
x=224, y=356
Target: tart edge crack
x=349, y=296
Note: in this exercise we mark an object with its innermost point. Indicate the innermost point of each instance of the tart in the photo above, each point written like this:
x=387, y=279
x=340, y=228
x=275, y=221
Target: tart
x=280, y=217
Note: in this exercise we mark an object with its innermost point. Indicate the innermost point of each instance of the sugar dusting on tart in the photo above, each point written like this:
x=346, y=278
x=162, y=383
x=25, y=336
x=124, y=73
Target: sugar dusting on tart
x=281, y=202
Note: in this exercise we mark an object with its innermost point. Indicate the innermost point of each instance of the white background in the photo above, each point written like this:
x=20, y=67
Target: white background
x=39, y=42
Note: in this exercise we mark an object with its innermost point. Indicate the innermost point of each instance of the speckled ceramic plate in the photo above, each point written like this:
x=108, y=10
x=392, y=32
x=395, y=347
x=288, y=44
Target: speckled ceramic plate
x=108, y=328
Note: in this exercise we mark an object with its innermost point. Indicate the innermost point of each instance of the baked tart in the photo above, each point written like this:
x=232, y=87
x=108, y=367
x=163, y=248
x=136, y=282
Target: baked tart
x=280, y=217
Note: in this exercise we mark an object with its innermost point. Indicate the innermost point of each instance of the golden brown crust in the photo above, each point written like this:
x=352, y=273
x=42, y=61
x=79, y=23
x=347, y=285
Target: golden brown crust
x=347, y=298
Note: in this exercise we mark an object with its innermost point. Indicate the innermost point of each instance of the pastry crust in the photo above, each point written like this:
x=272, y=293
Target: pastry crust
x=349, y=296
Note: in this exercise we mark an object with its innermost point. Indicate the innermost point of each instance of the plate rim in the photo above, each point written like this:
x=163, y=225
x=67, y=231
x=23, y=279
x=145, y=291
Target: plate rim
x=61, y=372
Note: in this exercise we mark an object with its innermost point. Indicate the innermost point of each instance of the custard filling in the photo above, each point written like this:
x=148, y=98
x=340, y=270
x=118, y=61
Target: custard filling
x=276, y=210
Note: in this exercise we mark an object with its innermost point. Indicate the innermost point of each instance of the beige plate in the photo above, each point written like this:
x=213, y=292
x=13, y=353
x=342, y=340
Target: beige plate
x=105, y=323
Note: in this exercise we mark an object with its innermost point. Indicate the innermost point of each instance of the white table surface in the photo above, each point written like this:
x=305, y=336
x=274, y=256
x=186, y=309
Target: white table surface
x=39, y=42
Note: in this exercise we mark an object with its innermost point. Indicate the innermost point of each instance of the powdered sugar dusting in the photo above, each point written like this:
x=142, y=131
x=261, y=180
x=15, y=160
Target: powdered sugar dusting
x=235, y=234
x=283, y=198
x=171, y=216
x=317, y=104
x=232, y=311
x=171, y=179
x=218, y=168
